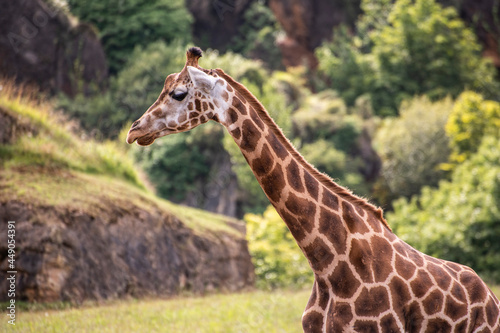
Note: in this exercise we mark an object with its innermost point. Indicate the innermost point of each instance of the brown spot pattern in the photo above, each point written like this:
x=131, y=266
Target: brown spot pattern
x=353, y=221
x=312, y=322
x=400, y=295
x=366, y=326
x=236, y=133
x=250, y=136
x=382, y=259
x=302, y=208
x=360, y=256
x=323, y=294
x=311, y=185
x=330, y=200
x=274, y=183
x=433, y=303
x=293, y=176
x=293, y=225
x=331, y=226
x=319, y=254
x=438, y=325
x=371, y=302
x=277, y=146
x=389, y=324
x=256, y=119
x=233, y=116
x=442, y=278
x=263, y=164
x=404, y=268
x=344, y=283
x=491, y=312
x=421, y=284
x=239, y=106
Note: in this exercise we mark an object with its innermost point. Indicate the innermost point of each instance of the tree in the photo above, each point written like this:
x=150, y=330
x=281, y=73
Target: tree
x=460, y=220
x=125, y=24
x=427, y=49
x=471, y=119
x=414, y=145
x=278, y=260
x=423, y=49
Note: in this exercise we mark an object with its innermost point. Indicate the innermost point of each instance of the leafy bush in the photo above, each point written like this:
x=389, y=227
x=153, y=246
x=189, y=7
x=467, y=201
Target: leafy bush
x=459, y=221
x=176, y=165
x=278, y=260
x=414, y=145
x=470, y=120
x=323, y=155
x=422, y=49
x=125, y=24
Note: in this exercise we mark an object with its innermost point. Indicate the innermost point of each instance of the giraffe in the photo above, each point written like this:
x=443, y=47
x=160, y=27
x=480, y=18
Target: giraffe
x=366, y=278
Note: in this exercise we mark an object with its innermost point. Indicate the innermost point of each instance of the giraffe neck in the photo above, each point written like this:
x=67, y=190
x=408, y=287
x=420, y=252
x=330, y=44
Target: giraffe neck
x=319, y=213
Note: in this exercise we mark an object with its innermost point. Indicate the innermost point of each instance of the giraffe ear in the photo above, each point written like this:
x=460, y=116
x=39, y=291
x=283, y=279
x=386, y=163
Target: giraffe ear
x=201, y=80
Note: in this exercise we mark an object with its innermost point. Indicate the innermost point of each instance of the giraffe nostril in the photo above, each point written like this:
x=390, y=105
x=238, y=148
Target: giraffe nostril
x=135, y=124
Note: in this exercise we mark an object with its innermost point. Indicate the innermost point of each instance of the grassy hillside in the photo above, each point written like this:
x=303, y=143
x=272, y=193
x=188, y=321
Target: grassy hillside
x=43, y=163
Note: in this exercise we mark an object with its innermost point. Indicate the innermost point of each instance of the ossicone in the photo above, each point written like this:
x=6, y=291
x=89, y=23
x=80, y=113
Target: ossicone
x=192, y=56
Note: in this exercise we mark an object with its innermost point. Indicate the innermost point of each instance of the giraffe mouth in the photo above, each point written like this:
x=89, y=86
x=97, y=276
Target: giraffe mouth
x=147, y=139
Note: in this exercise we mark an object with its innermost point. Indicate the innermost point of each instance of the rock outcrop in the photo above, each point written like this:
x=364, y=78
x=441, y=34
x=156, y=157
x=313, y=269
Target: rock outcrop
x=308, y=23
x=76, y=256
x=216, y=22
x=41, y=45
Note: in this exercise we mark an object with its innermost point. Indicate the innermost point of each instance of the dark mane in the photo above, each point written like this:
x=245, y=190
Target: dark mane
x=321, y=177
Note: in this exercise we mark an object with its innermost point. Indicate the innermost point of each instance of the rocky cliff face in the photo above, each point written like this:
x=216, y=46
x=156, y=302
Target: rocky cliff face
x=75, y=256
x=216, y=21
x=40, y=45
x=308, y=23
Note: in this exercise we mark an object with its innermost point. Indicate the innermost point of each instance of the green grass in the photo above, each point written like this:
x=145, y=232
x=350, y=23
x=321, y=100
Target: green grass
x=259, y=311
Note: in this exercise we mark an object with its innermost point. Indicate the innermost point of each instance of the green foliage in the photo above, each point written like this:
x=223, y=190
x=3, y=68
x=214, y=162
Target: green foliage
x=177, y=164
x=423, y=49
x=470, y=120
x=347, y=68
x=125, y=24
x=414, y=145
x=459, y=221
x=336, y=163
x=131, y=92
x=278, y=260
x=427, y=49
x=257, y=36
x=329, y=138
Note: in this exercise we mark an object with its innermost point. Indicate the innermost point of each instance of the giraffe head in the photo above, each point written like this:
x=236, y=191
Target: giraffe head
x=188, y=99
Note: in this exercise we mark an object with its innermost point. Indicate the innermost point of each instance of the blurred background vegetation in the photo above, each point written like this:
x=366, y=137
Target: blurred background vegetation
x=399, y=101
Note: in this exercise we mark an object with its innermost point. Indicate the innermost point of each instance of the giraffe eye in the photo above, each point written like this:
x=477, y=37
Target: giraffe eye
x=179, y=96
